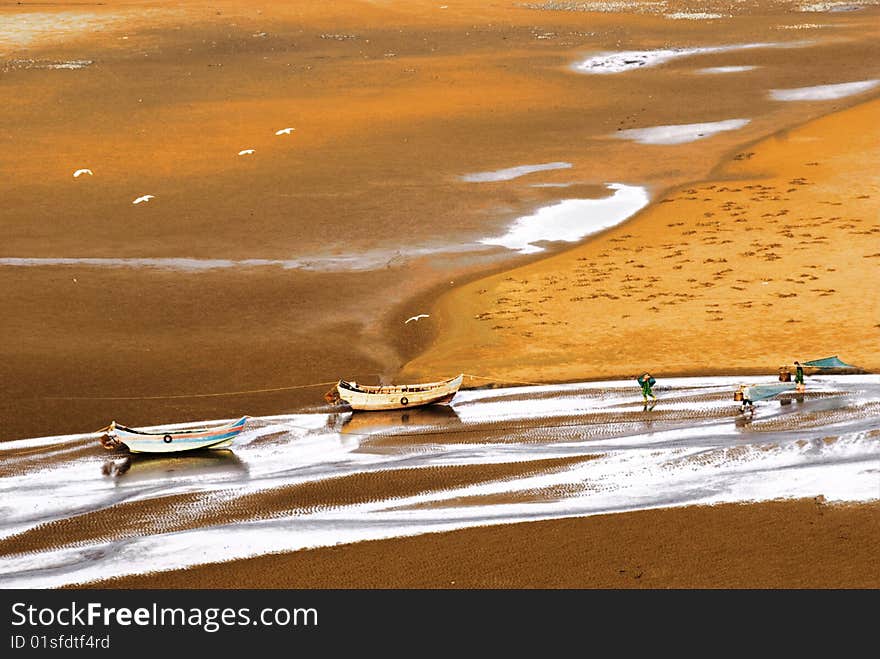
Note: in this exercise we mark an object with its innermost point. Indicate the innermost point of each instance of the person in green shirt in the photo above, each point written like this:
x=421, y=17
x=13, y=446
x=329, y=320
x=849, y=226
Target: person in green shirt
x=646, y=382
x=799, y=377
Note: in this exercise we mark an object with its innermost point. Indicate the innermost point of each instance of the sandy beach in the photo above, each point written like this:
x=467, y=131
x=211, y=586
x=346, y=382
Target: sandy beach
x=220, y=209
x=752, y=269
x=328, y=237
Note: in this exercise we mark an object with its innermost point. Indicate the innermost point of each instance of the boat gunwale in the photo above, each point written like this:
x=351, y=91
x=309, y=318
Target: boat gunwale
x=237, y=425
x=399, y=389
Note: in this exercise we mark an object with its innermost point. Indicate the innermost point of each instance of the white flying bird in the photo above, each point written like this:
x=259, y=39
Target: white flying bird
x=421, y=315
x=146, y=197
x=285, y=131
x=246, y=152
x=80, y=172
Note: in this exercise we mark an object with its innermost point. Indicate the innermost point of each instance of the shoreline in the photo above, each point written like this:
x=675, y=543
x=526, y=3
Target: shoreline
x=411, y=350
x=734, y=169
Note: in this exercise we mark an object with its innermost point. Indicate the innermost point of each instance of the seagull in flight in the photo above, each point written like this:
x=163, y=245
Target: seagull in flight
x=421, y=315
x=80, y=172
x=145, y=197
x=246, y=152
x=285, y=131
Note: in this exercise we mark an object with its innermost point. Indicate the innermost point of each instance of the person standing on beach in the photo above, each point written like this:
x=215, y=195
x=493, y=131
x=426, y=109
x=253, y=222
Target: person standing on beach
x=745, y=395
x=646, y=382
x=799, y=377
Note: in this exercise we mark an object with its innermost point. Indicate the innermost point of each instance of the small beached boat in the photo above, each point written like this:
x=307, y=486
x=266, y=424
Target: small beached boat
x=171, y=440
x=395, y=397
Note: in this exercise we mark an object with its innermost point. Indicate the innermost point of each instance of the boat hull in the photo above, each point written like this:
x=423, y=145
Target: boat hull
x=371, y=399
x=176, y=441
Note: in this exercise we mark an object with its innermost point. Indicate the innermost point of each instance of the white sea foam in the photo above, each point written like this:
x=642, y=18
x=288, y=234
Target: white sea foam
x=620, y=62
x=572, y=219
x=780, y=452
x=726, y=69
x=823, y=92
x=513, y=172
x=681, y=133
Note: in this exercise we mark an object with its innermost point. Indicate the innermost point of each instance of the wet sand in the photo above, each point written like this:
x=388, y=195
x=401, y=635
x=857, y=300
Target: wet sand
x=392, y=105
x=781, y=544
x=166, y=514
x=74, y=513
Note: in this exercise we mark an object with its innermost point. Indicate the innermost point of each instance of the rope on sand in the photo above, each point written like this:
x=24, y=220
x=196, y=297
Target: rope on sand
x=503, y=380
x=261, y=391
x=167, y=397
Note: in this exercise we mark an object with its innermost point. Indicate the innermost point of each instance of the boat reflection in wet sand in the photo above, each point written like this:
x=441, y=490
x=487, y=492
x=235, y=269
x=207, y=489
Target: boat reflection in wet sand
x=430, y=416
x=395, y=397
x=135, y=466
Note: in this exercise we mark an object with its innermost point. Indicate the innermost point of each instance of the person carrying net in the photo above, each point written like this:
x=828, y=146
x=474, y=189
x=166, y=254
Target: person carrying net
x=646, y=382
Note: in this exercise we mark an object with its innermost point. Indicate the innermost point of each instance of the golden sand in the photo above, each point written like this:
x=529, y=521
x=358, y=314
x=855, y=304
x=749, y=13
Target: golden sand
x=768, y=257
x=769, y=261
x=391, y=102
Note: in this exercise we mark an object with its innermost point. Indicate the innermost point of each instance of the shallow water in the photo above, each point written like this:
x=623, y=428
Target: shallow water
x=571, y=220
x=680, y=134
x=511, y=173
x=630, y=60
x=692, y=447
x=726, y=69
x=823, y=92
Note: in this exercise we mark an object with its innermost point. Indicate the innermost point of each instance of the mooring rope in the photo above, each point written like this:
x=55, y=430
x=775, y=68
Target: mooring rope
x=500, y=380
x=171, y=396
x=503, y=380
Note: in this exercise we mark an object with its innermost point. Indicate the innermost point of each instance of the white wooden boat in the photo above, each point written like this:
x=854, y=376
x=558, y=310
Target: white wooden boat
x=396, y=397
x=171, y=440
